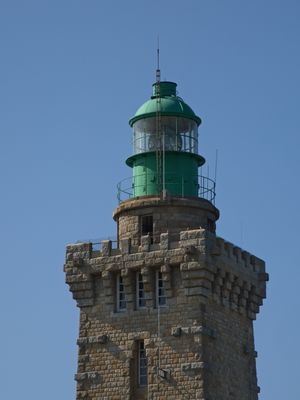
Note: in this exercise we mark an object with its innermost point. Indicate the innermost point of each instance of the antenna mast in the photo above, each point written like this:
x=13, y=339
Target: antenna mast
x=160, y=139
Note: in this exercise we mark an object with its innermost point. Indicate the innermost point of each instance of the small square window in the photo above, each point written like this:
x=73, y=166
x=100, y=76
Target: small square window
x=147, y=225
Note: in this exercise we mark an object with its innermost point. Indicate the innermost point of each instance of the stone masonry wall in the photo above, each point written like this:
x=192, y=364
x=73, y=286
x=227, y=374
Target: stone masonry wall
x=171, y=215
x=206, y=345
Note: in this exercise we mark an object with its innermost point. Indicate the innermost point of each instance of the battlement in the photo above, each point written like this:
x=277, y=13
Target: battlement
x=210, y=267
x=201, y=239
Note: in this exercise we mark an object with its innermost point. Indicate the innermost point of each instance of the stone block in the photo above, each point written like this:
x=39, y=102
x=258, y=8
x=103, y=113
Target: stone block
x=176, y=331
x=200, y=329
x=92, y=376
x=106, y=248
x=198, y=291
x=164, y=241
x=125, y=245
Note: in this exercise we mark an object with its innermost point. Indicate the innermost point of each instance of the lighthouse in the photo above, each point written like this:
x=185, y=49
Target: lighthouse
x=166, y=310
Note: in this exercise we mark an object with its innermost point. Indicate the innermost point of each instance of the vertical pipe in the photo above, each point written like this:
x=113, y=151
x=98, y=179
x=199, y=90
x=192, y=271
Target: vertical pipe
x=158, y=319
x=147, y=188
x=163, y=167
x=176, y=134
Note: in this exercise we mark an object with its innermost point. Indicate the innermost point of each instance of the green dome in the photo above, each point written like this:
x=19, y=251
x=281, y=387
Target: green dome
x=170, y=104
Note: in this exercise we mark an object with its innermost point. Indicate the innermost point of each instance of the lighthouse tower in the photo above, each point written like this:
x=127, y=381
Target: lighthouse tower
x=166, y=311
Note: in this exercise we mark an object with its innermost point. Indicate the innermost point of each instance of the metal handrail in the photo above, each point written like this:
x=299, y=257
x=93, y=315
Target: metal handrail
x=97, y=243
x=206, y=186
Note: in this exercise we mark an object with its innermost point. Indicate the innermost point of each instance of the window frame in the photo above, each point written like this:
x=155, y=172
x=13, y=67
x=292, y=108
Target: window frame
x=119, y=293
x=139, y=299
x=159, y=285
x=141, y=350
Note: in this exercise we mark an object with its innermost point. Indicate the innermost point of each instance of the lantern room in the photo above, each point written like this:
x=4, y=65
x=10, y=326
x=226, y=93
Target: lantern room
x=165, y=155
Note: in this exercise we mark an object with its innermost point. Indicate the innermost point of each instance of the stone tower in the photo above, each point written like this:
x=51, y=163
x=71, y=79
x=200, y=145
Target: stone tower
x=166, y=311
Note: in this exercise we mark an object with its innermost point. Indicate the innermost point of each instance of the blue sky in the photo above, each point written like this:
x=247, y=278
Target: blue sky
x=71, y=75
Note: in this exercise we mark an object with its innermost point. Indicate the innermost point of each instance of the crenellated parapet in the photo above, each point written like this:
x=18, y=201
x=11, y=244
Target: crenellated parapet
x=210, y=268
x=77, y=273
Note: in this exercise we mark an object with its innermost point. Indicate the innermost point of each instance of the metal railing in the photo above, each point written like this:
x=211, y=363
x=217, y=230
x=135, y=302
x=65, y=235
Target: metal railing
x=181, y=185
x=97, y=243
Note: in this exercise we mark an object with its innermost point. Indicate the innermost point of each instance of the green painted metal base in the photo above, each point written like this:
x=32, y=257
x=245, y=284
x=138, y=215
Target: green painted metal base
x=181, y=174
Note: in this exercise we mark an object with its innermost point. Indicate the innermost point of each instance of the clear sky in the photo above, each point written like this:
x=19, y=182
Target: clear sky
x=71, y=75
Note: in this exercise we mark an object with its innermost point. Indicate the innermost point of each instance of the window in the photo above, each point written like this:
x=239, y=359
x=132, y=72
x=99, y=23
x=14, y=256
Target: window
x=120, y=294
x=180, y=134
x=140, y=292
x=147, y=225
x=142, y=364
x=160, y=290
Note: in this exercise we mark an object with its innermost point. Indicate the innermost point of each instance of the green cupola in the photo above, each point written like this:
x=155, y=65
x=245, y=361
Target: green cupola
x=165, y=157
